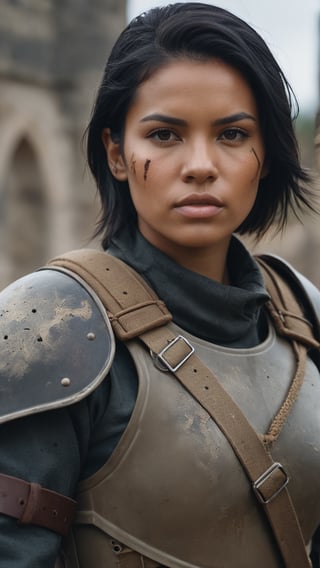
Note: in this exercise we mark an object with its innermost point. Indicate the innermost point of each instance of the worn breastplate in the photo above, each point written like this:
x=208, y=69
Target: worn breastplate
x=174, y=491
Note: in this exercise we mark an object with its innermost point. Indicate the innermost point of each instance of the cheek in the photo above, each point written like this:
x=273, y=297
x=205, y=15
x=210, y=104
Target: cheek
x=138, y=168
x=247, y=166
x=146, y=175
x=140, y=175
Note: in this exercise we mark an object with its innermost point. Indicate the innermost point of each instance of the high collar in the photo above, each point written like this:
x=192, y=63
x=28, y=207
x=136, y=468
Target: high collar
x=228, y=315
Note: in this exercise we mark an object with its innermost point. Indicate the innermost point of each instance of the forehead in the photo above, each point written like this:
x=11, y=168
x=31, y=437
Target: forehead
x=182, y=85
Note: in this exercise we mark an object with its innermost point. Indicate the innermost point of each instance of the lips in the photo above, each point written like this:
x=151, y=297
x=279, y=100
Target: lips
x=201, y=199
x=199, y=206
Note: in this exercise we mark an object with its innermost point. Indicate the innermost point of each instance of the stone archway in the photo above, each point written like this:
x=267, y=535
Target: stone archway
x=23, y=213
x=36, y=147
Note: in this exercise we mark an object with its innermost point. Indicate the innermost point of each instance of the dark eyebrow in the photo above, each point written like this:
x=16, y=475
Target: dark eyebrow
x=164, y=118
x=180, y=122
x=233, y=118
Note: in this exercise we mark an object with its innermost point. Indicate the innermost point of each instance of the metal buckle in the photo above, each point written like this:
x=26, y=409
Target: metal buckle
x=264, y=477
x=161, y=362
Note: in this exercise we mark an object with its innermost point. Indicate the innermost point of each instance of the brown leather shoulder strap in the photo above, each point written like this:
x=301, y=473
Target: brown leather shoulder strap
x=132, y=305
x=175, y=354
x=284, y=307
x=268, y=479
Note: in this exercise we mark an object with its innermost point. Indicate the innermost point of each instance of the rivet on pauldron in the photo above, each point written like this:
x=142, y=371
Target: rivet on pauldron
x=65, y=382
x=91, y=336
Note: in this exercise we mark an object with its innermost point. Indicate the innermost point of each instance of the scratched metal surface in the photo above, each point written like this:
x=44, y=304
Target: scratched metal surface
x=56, y=344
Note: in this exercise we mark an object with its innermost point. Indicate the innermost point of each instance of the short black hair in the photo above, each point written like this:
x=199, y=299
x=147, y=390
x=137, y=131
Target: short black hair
x=201, y=32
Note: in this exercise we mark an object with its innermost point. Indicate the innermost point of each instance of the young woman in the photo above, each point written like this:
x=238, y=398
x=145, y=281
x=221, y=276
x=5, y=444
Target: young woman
x=191, y=141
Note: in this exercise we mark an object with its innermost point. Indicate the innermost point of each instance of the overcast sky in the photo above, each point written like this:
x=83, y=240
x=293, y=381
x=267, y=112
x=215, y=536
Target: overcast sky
x=290, y=27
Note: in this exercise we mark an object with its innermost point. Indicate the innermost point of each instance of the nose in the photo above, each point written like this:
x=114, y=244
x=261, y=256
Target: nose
x=200, y=163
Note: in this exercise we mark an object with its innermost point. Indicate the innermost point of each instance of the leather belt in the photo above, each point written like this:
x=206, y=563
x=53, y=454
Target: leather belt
x=32, y=504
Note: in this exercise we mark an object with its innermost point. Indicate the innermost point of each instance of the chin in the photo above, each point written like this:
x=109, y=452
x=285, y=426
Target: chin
x=204, y=239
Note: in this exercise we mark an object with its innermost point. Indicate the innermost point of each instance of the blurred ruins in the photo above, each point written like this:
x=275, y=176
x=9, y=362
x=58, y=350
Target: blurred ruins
x=52, y=54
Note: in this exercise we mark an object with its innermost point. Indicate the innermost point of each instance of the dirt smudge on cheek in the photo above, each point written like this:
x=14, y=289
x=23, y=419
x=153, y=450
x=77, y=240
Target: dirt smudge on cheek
x=258, y=163
x=133, y=164
x=146, y=169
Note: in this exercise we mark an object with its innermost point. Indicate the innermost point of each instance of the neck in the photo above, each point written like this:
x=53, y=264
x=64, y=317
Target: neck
x=209, y=262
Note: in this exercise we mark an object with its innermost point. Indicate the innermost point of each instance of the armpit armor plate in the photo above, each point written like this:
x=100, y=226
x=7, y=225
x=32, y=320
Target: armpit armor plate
x=56, y=343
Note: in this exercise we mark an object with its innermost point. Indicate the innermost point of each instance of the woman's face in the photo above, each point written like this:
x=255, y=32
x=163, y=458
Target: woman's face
x=193, y=155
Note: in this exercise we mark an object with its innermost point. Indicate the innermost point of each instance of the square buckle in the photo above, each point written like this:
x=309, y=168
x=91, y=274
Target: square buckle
x=161, y=361
x=264, y=477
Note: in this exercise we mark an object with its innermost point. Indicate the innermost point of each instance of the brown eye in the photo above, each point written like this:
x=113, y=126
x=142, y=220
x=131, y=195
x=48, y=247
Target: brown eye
x=234, y=135
x=164, y=135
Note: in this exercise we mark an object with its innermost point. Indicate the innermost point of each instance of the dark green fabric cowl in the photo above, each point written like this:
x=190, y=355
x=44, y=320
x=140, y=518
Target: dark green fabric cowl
x=226, y=315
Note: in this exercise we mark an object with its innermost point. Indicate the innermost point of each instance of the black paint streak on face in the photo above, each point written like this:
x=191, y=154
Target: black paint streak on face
x=146, y=168
x=257, y=158
x=133, y=164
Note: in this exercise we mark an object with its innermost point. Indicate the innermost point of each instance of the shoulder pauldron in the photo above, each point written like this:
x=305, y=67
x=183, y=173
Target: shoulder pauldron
x=56, y=343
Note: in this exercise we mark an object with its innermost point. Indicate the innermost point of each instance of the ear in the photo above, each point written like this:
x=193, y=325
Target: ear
x=115, y=160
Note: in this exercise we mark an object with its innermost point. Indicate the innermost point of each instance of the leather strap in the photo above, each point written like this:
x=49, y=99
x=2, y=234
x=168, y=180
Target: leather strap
x=126, y=299
x=132, y=305
x=32, y=504
x=268, y=480
x=284, y=309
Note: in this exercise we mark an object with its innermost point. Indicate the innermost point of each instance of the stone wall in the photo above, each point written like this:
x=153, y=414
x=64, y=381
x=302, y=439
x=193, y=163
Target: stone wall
x=52, y=54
